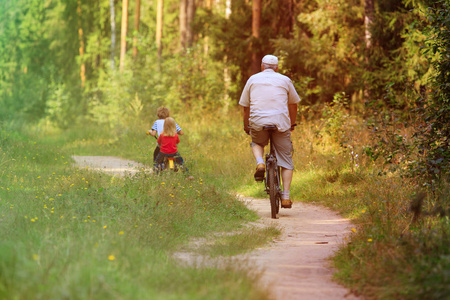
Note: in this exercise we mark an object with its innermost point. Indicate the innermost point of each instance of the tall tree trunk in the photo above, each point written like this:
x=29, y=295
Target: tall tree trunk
x=113, y=33
x=226, y=70
x=183, y=24
x=227, y=8
x=123, y=34
x=159, y=27
x=291, y=16
x=256, y=25
x=81, y=49
x=190, y=20
x=368, y=20
x=137, y=19
x=208, y=5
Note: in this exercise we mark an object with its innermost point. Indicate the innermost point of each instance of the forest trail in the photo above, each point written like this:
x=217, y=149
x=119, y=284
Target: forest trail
x=294, y=266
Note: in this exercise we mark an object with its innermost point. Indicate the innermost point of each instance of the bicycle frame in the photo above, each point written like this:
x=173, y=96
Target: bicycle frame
x=170, y=164
x=272, y=173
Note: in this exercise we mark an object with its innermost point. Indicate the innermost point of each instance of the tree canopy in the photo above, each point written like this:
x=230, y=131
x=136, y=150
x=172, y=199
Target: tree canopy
x=387, y=57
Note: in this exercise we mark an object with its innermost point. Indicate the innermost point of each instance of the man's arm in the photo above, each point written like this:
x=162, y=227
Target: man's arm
x=293, y=113
x=246, y=119
x=293, y=100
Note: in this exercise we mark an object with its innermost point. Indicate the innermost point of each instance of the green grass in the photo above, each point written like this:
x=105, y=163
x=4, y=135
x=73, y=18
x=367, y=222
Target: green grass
x=233, y=244
x=77, y=234
x=388, y=257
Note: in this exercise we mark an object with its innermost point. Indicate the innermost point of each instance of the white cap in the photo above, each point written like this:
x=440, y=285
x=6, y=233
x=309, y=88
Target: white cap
x=270, y=60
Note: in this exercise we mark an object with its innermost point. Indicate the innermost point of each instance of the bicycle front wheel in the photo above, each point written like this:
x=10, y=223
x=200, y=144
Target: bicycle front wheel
x=273, y=193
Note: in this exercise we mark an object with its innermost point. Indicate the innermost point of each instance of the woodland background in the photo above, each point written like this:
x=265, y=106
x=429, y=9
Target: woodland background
x=69, y=61
x=109, y=62
x=83, y=76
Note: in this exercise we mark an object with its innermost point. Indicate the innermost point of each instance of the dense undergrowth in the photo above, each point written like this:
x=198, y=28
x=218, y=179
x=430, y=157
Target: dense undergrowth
x=55, y=215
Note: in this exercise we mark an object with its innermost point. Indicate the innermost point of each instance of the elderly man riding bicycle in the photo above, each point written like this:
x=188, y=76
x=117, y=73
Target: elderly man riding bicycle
x=270, y=98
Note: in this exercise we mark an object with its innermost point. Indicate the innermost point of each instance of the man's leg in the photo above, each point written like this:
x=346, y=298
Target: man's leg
x=283, y=148
x=259, y=140
x=258, y=152
x=286, y=175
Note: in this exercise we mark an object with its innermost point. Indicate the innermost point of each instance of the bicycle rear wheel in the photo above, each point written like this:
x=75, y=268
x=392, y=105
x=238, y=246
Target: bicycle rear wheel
x=278, y=188
x=273, y=193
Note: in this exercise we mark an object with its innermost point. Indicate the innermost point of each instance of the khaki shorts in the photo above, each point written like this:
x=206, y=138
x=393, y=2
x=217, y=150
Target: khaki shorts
x=282, y=142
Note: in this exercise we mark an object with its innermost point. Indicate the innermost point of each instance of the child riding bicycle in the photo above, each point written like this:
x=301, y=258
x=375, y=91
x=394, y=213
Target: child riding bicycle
x=168, y=140
x=158, y=127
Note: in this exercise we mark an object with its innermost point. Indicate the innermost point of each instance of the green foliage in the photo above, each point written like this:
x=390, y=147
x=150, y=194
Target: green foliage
x=231, y=43
x=235, y=46
x=234, y=244
x=424, y=150
x=336, y=118
x=326, y=52
x=320, y=45
x=36, y=56
x=434, y=135
x=392, y=141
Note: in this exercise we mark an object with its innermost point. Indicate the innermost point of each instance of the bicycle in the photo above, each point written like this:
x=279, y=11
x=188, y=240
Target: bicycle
x=172, y=162
x=272, y=180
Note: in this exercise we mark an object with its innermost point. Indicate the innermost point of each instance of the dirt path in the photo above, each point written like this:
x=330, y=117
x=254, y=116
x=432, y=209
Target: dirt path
x=108, y=164
x=296, y=265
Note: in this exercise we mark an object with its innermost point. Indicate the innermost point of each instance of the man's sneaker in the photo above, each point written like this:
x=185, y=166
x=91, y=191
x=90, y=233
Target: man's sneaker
x=260, y=170
x=286, y=203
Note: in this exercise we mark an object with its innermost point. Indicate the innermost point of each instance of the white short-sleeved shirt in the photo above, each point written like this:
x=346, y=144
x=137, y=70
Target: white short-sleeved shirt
x=268, y=95
x=159, y=126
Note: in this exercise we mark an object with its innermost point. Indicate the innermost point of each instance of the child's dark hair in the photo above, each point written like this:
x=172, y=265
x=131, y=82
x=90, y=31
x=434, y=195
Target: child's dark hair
x=162, y=112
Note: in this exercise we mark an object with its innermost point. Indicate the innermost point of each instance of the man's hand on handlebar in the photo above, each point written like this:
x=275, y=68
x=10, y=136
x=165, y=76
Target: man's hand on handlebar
x=293, y=126
x=247, y=130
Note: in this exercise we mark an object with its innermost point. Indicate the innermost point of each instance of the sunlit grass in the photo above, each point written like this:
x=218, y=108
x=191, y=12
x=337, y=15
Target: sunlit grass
x=238, y=243
x=77, y=232
x=73, y=228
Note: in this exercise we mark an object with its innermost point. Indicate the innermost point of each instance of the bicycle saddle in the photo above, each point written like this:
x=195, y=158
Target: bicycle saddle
x=270, y=127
